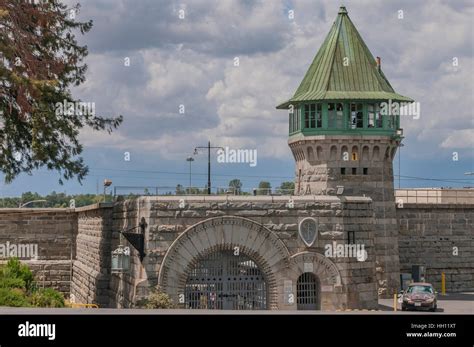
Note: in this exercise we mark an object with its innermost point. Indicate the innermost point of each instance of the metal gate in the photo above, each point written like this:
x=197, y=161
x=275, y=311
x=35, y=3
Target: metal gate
x=307, y=292
x=224, y=281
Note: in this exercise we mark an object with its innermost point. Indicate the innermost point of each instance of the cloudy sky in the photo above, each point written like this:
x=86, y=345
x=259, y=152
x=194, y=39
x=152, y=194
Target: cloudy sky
x=190, y=62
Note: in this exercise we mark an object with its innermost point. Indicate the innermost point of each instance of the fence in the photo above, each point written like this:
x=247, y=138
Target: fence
x=434, y=196
x=168, y=190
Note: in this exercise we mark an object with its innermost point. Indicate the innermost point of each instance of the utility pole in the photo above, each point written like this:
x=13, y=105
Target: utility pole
x=190, y=159
x=208, y=147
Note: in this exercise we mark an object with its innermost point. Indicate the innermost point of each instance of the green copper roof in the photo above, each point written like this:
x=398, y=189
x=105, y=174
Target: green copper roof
x=329, y=79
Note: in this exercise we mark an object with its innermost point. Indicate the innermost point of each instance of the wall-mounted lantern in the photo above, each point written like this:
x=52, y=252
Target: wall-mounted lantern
x=121, y=256
x=121, y=259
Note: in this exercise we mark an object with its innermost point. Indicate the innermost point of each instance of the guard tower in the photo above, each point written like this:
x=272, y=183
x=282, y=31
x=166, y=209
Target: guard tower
x=342, y=139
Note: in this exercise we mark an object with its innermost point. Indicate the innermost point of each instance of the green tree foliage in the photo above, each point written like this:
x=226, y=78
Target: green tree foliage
x=16, y=275
x=235, y=186
x=286, y=188
x=40, y=60
x=53, y=199
x=17, y=288
x=264, y=188
x=13, y=297
x=180, y=190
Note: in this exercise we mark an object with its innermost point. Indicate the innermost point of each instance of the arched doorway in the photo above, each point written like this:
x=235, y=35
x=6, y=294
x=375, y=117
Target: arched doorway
x=308, y=292
x=224, y=281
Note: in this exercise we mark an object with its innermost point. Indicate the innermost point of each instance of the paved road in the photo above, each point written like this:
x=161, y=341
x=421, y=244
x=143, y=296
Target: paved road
x=456, y=303
x=451, y=303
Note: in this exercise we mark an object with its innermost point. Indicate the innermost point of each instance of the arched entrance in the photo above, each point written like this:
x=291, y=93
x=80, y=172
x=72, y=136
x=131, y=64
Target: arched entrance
x=225, y=281
x=308, y=291
x=216, y=237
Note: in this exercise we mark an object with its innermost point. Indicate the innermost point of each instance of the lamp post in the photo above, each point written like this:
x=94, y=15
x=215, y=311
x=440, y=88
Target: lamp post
x=399, y=163
x=107, y=183
x=208, y=147
x=190, y=159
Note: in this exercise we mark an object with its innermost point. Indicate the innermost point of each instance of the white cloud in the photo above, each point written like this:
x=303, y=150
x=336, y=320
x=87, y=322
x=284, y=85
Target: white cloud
x=191, y=63
x=460, y=139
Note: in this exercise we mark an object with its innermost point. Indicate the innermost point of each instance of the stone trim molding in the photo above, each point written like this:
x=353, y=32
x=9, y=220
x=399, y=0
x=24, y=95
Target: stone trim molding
x=327, y=272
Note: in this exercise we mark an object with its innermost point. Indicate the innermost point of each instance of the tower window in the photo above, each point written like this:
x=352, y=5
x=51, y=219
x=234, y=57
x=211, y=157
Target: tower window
x=331, y=115
x=343, y=170
x=306, y=117
x=357, y=116
x=391, y=121
x=339, y=115
x=319, y=115
x=371, y=115
x=313, y=116
x=354, y=171
x=378, y=116
x=366, y=171
x=295, y=120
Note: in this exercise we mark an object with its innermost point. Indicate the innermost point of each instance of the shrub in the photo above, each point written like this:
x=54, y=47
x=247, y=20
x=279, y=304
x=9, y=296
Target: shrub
x=13, y=297
x=157, y=299
x=12, y=282
x=16, y=275
x=17, y=288
x=47, y=297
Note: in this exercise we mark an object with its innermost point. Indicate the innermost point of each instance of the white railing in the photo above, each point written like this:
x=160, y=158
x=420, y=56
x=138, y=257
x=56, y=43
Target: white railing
x=434, y=196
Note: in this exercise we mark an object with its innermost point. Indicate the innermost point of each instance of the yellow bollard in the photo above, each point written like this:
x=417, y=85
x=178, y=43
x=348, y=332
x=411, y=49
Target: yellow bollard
x=443, y=283
x=395, y=302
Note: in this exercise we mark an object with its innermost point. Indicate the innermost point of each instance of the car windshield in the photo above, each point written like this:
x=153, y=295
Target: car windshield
x=420, y=289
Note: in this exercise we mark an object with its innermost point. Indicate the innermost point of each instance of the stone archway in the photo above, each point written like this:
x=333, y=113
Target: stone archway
x=331, y=289
x=228, y=233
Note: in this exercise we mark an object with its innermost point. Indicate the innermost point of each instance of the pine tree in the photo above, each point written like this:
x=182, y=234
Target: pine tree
x=40, y=60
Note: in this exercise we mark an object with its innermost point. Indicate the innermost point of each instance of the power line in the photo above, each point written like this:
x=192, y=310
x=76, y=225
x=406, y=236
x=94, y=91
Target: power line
x=194, y=173
x=268, y=176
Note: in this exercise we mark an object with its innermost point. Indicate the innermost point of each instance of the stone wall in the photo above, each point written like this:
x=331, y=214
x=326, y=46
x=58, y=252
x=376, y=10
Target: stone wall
x=431, y=235
x=86, y=236
x=169, y=217
x=53, y=231
x=91, y=267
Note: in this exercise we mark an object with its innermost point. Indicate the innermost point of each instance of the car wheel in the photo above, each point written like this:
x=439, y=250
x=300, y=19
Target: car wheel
x=433, y=309
x=404, y=308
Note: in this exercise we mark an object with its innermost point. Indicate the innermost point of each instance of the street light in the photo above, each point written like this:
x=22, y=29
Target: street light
x=190, y=159
x=107, y=183
x=30, y=202
x=400, y=145
x=208, y=147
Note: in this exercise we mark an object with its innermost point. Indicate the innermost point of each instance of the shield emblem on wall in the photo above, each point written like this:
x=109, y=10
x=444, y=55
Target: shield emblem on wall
x=308, y=230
